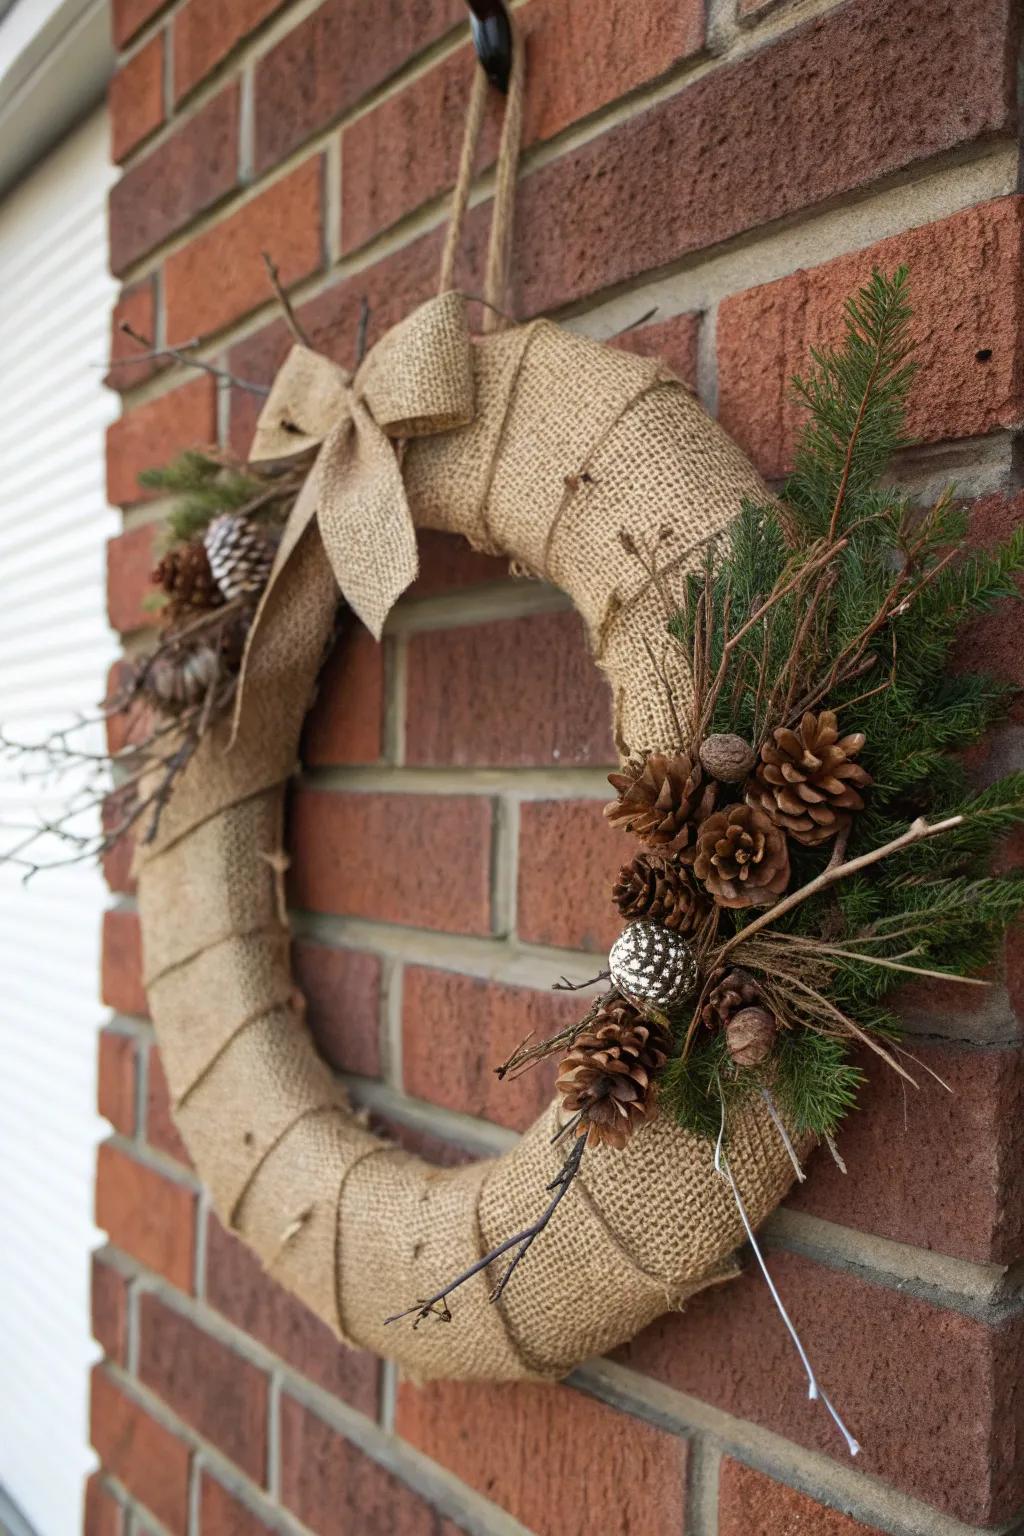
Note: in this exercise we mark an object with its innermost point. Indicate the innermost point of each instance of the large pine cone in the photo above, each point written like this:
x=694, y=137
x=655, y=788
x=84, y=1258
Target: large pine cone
x=730, y=989
x=742, y=857
x=660, y=891
x=662, y=800
x=184, y=574
x=608, y=1076
x=240, y=553
x=806, y=780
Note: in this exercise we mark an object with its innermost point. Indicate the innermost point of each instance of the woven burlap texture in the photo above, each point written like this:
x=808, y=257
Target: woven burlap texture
x=551, y=448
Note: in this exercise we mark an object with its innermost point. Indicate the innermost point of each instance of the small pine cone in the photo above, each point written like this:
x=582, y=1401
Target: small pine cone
x=608, y=1075
x=184, y=574
x=742, y=857
x=807, y=781
x=750, y=1036
x=662, y=800
x=240, y=554
x=177, y=679
x=729, y=990
x=656, y=889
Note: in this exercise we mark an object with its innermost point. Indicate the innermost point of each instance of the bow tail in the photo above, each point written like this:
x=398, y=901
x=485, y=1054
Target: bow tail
x=364, y=518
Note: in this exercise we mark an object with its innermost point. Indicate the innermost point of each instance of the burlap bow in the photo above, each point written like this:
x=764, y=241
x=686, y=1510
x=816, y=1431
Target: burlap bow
x=416, y=381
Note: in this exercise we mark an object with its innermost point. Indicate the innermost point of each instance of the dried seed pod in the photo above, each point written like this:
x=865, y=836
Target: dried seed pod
x=750, y=1035
x=727, y=758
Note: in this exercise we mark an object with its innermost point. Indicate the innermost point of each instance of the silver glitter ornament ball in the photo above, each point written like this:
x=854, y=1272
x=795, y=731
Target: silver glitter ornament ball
x=652, y=964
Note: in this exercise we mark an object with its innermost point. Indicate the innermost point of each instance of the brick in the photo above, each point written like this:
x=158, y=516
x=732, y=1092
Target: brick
x=888, y=1361
x=221, y=1395
x=121, y=980
x=241, y=1290
x=834, y=104
x=130, y=560
x=448, y=563
x=968, y=297
x=150, y=435
x=206, y=31
x=221, y=1514
x=161, y=1131
x=576, y=911
x=115, y=1080
x=581, y=55
x=556, y=1460
x=342, y=991
x=118, y=858
x=109, y=1295
x=130, y=16
x=127, y=726
x=314, y=75
x=221, y=276
x=147, y=1215
x=135, y=99
x=346, y=723
x=136, y=306
x=990, y=643
x=749, y=1502
x=183, y=177
x=102, y=1515
x=422, y=860
x=674, y=340
x=331, y=1486
x=931, y=1168
x=516, y=693
x=483, y=1023
x=151, y=1463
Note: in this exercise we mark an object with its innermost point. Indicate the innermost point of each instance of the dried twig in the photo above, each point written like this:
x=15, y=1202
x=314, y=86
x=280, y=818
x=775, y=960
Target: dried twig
x=521, y=1242
x=181, y=354
x=290, y=317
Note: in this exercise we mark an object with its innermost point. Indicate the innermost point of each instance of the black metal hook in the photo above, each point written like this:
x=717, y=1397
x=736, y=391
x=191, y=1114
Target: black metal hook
x=492, y=39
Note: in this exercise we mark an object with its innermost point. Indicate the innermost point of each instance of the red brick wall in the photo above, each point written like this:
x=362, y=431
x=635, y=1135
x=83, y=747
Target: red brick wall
x=741, y=170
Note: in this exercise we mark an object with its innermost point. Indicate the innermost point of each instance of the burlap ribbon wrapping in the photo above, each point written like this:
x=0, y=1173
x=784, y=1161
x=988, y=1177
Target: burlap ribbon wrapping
x=544, y=447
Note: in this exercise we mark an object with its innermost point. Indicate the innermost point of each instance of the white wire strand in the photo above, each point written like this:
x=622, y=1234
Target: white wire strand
x=814, y=1391
x=777, y=1118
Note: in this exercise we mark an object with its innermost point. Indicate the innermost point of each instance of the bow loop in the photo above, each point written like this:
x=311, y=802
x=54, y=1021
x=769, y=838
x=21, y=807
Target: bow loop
x=308, y=395
x=418, y=379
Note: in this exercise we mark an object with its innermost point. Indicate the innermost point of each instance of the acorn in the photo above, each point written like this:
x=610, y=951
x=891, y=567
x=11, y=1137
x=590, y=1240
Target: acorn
x=727, y=758
x=750, y=1035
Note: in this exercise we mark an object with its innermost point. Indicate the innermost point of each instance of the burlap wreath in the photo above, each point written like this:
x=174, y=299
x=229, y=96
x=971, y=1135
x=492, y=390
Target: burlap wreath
x=544, y=447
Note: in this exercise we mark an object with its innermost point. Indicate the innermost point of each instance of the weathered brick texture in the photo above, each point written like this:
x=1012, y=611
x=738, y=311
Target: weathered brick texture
x=722, y=177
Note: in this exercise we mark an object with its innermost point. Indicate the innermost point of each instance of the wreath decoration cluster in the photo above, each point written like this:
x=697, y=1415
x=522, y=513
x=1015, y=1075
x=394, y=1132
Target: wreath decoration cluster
x=805, y=835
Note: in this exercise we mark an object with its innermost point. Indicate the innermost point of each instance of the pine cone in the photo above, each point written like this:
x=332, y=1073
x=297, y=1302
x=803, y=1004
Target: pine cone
x=662, y=800
x=742, y=857
x=656, y=889
x=608, y=1075
x=750, y=1036
x=184, y=574
x=806, y=781
x=728, y=992
x=240, y=554
x=176, y=679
